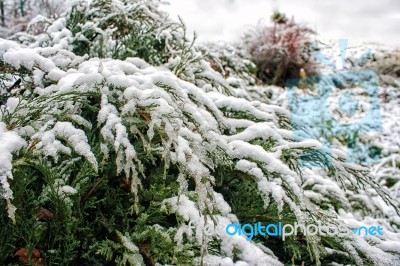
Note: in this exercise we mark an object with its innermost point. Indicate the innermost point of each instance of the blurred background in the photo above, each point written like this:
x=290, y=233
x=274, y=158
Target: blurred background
x=357, y=20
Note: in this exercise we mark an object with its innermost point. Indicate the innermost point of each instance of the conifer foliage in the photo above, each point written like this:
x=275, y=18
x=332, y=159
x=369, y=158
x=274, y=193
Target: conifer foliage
x=116, y=134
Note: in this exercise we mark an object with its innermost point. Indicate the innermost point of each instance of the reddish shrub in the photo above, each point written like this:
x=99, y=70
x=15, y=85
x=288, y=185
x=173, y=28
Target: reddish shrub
x=280, y=51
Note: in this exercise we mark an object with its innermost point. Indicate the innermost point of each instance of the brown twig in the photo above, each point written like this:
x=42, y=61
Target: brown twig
x=91, y=191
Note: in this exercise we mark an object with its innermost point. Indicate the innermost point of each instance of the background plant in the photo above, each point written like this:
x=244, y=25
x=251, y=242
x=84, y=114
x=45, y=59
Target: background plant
x=280, y=51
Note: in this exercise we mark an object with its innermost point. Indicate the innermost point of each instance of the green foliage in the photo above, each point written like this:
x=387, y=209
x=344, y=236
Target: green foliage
x=233, y=62
x=135, y=31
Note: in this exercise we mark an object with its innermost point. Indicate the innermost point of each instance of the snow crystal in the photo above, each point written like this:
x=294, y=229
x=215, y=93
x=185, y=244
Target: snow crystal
x=76, y=138
x=10, y=143
x=127, y=243
x=89, y=79
x=12, y=103
x=68, y=190
x=28, y=59
x=260, y=130
x=6, y=45
x=56, y=74
x=243, y=149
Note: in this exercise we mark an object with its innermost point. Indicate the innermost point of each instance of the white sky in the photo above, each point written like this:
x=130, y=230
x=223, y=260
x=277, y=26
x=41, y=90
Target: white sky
x=355, y=20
